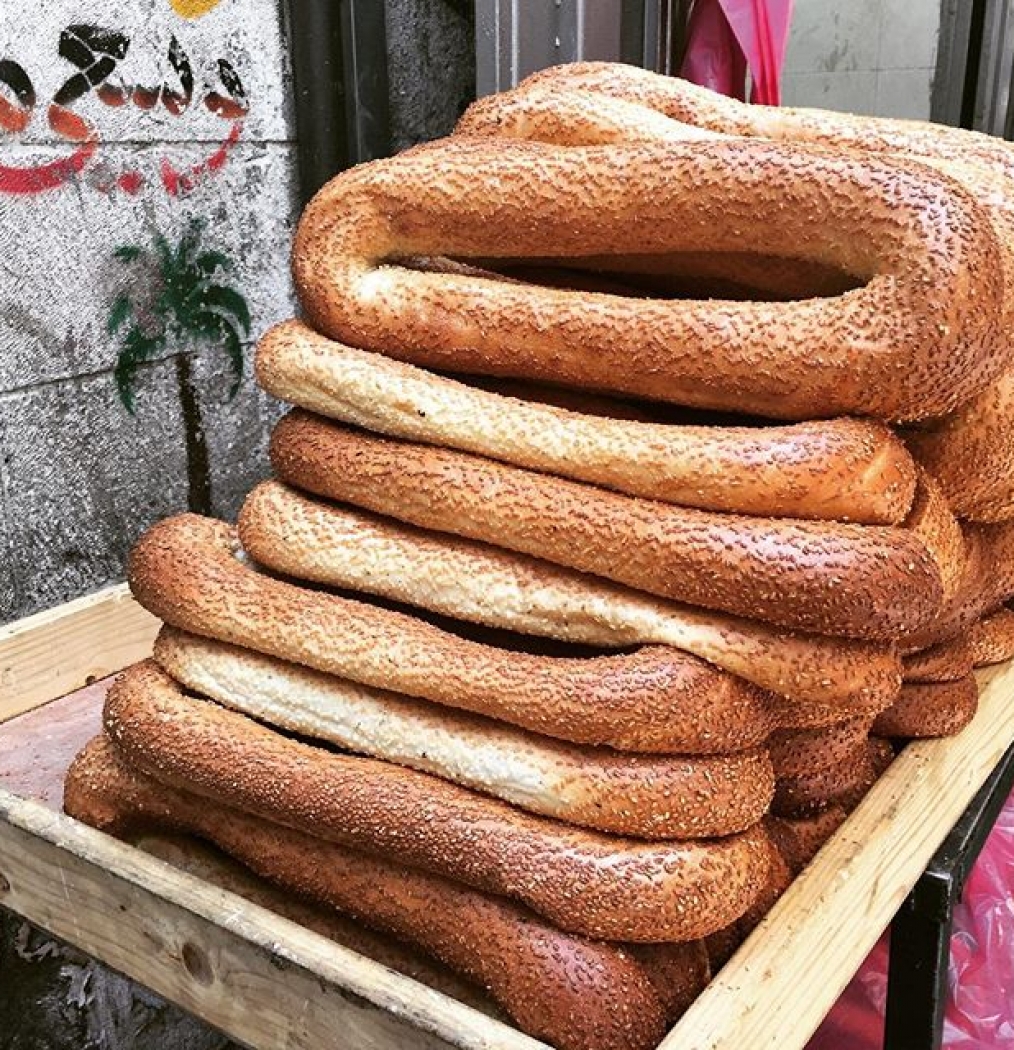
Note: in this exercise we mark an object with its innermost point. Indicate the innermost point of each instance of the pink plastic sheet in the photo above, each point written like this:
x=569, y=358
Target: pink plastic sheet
x=980, y=1006
x=727, y=37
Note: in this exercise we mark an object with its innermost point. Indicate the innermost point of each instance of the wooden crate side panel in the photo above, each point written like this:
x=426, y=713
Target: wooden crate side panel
x=263, y=980
x=55, y=652
x=777, y=989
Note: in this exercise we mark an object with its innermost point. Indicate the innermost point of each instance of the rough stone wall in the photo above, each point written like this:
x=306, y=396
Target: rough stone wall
x=166, y=112
x=866, y=56
x=164, y=120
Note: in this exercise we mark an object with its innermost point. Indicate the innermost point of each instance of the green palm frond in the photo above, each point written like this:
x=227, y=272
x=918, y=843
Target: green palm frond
x=210, y=261
x=225, y=300
x=187, y=305
x=137, y=349
x=119, y=313
x=217, y=327
x=128, y=252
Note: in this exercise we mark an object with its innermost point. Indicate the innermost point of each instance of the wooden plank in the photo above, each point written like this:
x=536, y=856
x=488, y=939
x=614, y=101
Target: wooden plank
x=37, y=747
x=776, y=990
x=261, y=979
x=55, y=652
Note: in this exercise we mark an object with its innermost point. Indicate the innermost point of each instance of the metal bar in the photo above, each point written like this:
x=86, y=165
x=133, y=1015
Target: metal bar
x=921, y=932
x=944, y=879
x=976, y=33
x=516, y=37
x=315, y=42
x=948, y=96
x=364, y=41
x=339, y=68
x=917, y=980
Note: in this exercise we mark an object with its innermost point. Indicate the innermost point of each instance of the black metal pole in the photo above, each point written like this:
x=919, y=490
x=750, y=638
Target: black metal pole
x=917, y=980
x=917, y=983
x=339, y=68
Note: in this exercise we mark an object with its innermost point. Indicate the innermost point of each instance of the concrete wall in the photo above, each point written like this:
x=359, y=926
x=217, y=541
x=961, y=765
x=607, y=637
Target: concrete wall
x=80, y=476
x=864, y=56
x=88, y=201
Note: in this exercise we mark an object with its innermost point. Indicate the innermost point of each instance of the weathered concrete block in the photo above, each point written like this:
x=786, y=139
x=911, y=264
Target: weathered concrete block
x=431, y=66
x=84, y=478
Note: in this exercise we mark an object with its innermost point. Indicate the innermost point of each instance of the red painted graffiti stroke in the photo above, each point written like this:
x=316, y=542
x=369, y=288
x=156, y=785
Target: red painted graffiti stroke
x=177, y=182
x=39, y=177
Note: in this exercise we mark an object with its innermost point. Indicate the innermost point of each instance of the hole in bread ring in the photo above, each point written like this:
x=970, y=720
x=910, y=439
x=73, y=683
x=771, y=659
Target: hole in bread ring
x=917, y=339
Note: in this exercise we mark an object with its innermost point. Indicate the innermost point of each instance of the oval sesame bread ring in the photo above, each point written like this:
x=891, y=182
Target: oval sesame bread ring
x=645, y=796
x=844, y=469
x=931, y=710
x=584, y=882
x=886, y=349
x=987, y=582
x=992, y=639
x=707, y=110
x=349, y=548
x=971, y=452
x=944, y=662
x=806, y=752
x=933, y=521
x=859, y=581
x=842, y=785
x=978, y=432
x=185, y=571
x=799, y=839
x=575, y=993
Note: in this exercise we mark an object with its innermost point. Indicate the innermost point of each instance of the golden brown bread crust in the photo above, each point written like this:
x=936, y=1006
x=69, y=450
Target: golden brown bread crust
x=707, y=110
x=843, y=784
x=978, y=432
x=840, y=469
x=645, y=796
x=971, y=453
x=344, y=547
x=932, y=520
x=886, y=349
x=930, y=710
x=991, y=640
x=860, y=581
x=805, y=752
x=986, y=583
x=185, y=571
x=944, y=662
x=678, y=971
x=583, y=882
x=722, y=945
x=578, y=994
x=798, y=839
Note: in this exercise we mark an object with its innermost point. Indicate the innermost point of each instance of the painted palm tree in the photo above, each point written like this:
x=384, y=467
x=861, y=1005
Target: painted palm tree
x=186, y=304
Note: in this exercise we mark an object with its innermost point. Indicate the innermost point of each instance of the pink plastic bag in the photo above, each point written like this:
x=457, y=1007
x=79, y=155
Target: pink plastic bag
x=726, y=37
x=980, y=1007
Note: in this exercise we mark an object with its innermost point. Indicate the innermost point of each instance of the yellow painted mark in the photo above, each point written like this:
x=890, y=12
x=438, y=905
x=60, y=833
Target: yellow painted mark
x=193, y=8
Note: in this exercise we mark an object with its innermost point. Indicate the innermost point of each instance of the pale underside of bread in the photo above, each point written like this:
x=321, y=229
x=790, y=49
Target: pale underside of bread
x=346, y=547
x=639, y=795
x=584, y=882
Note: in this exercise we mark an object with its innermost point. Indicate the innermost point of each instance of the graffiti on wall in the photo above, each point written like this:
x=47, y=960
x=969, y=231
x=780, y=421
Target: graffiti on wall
x=95, y=52
x=185, y=302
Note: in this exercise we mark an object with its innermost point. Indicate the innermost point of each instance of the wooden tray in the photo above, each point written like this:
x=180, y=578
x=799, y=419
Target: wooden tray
x=269, y=983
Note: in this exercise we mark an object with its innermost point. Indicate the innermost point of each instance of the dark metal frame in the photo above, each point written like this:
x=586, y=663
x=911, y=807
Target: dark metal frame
x=339, y=69
x=921, y=931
